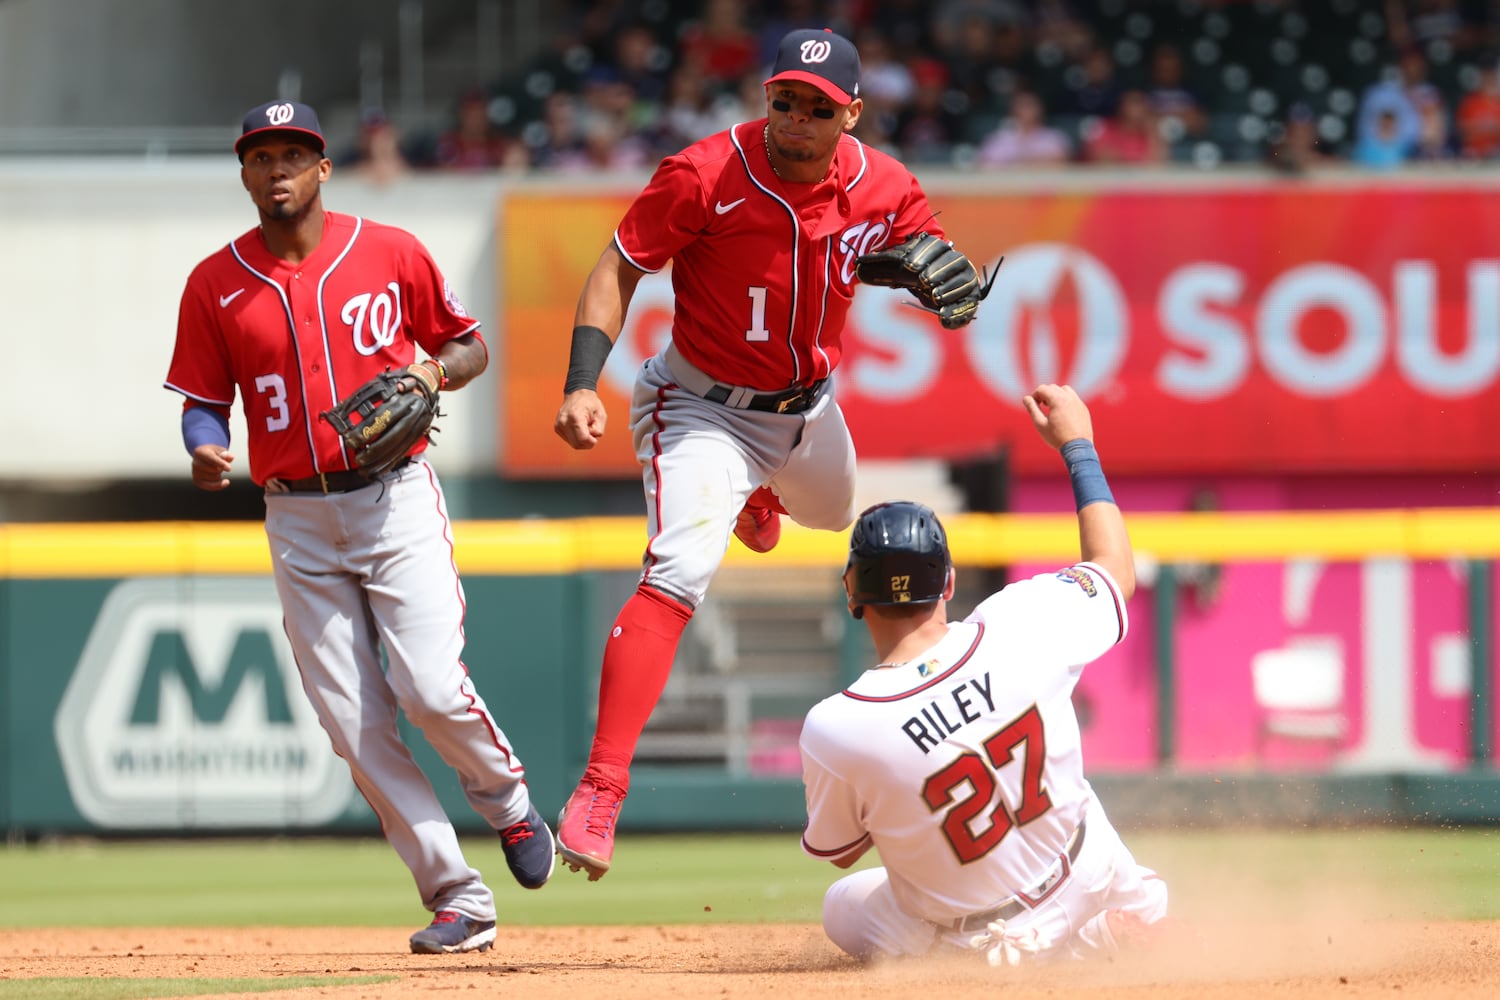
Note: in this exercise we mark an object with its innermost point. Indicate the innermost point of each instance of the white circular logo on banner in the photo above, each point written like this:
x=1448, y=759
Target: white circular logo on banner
x=1015, y=343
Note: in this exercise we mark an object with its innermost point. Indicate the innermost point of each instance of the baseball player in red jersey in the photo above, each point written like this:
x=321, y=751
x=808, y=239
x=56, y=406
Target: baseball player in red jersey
x=959, y=758
x=293, y=315
x=735, y=422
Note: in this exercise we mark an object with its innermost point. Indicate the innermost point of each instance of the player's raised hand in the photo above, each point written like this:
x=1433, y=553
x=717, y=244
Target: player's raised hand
x=581, y=420
x=211, y=463
x=1058, y=414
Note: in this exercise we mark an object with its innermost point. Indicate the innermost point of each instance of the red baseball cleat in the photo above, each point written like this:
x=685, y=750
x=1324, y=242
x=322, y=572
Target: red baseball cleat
x=758, y=526
x=586, y=827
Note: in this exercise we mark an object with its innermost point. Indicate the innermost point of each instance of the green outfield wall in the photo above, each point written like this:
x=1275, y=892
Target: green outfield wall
x=146, y=687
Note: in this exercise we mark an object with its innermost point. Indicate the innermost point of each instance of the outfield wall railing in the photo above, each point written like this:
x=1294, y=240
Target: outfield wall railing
x=146, y=685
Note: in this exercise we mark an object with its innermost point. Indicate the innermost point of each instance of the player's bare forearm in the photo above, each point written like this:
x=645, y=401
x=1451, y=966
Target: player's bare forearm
x=597, y=323
x=211, y=464
x=1060, y=416
x=464, y=359
x=1104, y=541
x=607, y=293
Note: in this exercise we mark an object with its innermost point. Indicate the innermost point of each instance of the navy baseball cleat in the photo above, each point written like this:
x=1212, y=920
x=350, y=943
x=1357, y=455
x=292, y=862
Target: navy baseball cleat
x=451, y=931
x=529, y=850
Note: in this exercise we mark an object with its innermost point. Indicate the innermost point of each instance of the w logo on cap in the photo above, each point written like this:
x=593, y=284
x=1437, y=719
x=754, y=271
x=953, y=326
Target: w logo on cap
x=816, y=50
x=822, y=58
x=280, y=116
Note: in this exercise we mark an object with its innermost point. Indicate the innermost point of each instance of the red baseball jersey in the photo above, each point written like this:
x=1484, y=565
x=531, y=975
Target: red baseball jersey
x=762, y=270
x=296, y=338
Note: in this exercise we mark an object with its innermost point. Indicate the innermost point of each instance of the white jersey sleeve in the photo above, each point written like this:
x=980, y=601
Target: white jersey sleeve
x=835, y=820
x=1074, y=614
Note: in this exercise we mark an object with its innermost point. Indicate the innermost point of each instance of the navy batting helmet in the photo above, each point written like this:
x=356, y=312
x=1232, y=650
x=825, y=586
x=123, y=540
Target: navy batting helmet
x=898, y=554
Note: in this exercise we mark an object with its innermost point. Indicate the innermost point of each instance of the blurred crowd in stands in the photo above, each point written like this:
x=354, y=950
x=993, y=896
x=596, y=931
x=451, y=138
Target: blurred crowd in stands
x=991, y=84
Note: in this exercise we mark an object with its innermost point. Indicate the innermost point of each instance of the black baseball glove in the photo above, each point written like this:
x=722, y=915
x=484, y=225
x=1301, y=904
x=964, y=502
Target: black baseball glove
x=943, y=280
x=384, y=419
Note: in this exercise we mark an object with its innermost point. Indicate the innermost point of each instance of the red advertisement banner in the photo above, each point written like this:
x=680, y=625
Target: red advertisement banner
x=1296, y=328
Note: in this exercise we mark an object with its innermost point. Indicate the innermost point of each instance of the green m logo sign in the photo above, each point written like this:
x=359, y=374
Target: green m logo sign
x=186, y=711
x=170, y=661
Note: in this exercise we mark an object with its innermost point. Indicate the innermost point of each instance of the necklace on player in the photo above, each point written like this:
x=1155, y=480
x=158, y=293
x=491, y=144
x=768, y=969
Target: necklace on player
x=765, y=138
x=923, y=669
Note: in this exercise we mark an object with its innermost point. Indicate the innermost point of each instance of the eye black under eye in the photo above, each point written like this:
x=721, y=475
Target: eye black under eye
x=785, y=106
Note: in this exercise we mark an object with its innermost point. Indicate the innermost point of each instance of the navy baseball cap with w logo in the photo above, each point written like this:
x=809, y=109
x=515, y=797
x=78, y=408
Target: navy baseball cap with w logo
x=821, y=57
x=279, y=116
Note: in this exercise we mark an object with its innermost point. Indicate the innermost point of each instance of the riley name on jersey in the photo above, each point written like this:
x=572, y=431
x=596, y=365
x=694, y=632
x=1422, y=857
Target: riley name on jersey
x=944, y=716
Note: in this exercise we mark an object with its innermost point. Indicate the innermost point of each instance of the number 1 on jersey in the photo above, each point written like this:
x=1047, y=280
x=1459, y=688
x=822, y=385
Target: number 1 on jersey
x=757, y=329
x=980, y=775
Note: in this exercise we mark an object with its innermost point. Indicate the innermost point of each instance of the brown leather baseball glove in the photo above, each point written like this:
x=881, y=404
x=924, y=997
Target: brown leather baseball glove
x=943, y=280
x=384, y=419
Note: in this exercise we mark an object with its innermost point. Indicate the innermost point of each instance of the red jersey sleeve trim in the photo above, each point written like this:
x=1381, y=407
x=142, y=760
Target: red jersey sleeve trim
x=1114, y=592
x=835, y=853
x=935, y=679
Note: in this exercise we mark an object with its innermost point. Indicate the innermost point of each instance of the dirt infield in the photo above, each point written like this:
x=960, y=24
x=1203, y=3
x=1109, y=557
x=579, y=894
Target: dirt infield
x=1434, y=961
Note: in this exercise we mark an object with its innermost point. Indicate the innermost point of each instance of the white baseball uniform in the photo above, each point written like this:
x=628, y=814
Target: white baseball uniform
x=964, y=768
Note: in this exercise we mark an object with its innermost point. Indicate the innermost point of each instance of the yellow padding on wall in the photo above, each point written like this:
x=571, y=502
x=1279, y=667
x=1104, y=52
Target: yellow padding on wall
x=542, y=547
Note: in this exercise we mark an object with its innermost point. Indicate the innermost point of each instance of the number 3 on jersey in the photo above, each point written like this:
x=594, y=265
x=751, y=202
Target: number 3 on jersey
x=274, y=388
x=979, y=773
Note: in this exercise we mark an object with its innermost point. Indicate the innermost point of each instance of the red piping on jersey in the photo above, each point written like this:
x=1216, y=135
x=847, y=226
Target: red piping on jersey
x=1119, y=613
x=837, y=851
x=1114, y=594
x=661, y=400
x=978, y=637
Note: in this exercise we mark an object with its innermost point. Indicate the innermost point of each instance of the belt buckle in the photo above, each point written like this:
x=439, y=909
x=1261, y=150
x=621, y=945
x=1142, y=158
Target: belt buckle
x=798, y=397
x=323, y=481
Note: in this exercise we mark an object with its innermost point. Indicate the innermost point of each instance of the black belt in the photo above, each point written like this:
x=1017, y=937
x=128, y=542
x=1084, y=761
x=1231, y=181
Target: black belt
x=1021, y=902
x=793, y=400
x=333, y=482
